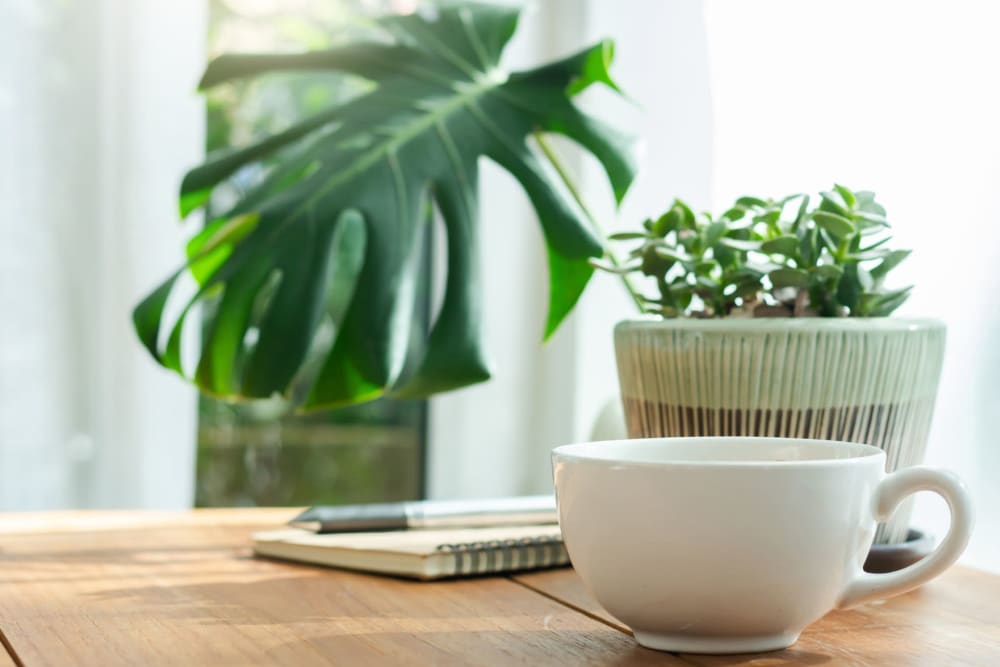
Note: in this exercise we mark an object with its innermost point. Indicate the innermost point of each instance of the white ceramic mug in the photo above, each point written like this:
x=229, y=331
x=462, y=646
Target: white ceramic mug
x=735, y=545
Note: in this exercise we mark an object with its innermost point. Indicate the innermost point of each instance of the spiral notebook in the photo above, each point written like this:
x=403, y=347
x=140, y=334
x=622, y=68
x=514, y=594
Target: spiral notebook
x=421, y=554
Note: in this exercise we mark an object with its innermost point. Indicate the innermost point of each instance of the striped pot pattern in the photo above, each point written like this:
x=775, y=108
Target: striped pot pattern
x=872, y=381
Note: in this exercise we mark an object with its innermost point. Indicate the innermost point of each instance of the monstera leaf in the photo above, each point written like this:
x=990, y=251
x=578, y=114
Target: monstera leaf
x=333, y=233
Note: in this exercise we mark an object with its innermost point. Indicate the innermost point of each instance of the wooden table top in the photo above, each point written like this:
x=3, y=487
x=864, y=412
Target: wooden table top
x=134, y=588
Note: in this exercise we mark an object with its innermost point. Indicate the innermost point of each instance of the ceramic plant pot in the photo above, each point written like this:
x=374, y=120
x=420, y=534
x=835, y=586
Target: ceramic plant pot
x=871, y=381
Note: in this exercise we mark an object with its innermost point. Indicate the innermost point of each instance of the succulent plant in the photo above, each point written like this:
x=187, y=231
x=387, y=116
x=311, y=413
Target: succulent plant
x=767, y=258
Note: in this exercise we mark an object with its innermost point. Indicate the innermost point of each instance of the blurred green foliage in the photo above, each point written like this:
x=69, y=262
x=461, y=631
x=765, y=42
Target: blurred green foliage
x=258, y=453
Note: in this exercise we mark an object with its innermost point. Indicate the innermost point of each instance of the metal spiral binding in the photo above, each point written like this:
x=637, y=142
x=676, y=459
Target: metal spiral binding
x=531, y=554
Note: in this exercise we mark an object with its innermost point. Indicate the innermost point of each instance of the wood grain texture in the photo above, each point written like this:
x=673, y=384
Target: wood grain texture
x=136, y=588
x=564, y=585
x=6, y=659
x=160, y=589
x=954, y=620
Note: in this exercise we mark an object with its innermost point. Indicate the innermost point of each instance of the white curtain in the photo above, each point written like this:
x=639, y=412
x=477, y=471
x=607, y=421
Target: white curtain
x=98, y=118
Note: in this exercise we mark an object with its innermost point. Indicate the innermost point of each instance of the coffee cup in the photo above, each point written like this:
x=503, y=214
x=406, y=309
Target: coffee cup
x=735, y=545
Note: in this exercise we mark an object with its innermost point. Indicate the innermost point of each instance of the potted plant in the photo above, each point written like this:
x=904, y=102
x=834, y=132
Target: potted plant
x=773, y=319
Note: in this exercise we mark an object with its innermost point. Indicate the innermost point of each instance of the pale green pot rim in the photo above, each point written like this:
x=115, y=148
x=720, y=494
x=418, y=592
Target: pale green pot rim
x=782, y=324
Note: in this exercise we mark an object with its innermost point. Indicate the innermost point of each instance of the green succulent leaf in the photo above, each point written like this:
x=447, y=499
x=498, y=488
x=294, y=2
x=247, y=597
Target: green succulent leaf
x=682, y=293
x=770, y=217
x=866, y=220
x=829, y=243
x=706, y=283
x=620, y=269
x=886, y=303
x=866, y=202
x=745, y=272
x=828, y=271
x=751, y=202
x=739, y=244
x=688, y=218
x=877, y=244
x=670, y=221
x=833, y=202
x=788, y=278
x=704, y=268
x=801, y=214
x=846, y=195
x=723, y=254
x=626, y=236
x=850, y=288
x=868, y=255
x=333, y=233
x=782, y=245
x=672, y=255
x=809, y=241
x=735, y=213
x=836, y=225
x=865, y=278
x=891, y=260
x=713, y=232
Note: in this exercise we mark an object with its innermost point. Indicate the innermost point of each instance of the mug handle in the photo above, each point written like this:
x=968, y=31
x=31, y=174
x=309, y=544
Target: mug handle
x=888, y=495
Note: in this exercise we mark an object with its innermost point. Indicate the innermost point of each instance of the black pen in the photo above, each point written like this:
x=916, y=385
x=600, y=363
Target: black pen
x=519, y=511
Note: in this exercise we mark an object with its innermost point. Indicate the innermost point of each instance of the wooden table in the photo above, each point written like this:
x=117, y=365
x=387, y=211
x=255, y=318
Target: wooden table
x=131, y=588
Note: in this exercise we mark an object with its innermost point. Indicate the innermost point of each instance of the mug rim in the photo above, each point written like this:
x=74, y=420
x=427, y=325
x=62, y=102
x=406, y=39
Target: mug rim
x=578, y=453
